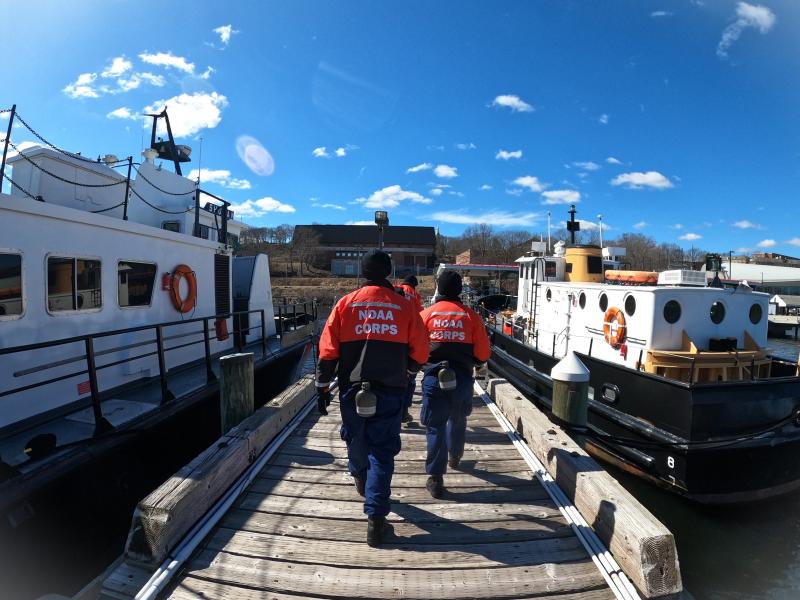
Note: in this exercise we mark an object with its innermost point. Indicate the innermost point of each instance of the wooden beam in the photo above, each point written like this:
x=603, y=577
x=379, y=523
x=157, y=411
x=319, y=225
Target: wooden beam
x=167, y=514
x=642, y=545
x=236, y=389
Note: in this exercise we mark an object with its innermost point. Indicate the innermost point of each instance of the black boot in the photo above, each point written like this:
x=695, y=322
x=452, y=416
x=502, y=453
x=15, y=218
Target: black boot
x=453, y=461
x=407, y=418
x=435, y=485
x=377, y=530
x=361, y=483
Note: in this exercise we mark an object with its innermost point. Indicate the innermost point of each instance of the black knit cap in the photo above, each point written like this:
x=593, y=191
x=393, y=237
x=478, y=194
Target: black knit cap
x=411, y=280
x=376, y=265
x=449, y=284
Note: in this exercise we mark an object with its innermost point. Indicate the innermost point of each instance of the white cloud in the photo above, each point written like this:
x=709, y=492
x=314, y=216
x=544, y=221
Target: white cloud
x=340, y=152
x=254, y=155
x=530, y=182
x=469, y=146
x=156, y=80
x=690, y=237
x=118, y=66
x=191, y=113
x=360, y=223
x=497, y=218
x=745, y=224
x=794, y=241
x=169, y=60
x=515, y=103
x=603, y=119
x=82, y=87
x=21, y=147
x=515, y=191
x=587, y=165
x=638, y=180
x=641, y=225
x=455, y=193
x=506, y=154
x=677, y=226
x=420, y=167
x=743, y=250
x=391, y=197
x=207, y=73
x=445, y=171
x=485, y=187
x=122, y=113
x=221, y=177
x=437, y=192
x=561, y=197
x=660, y=13
x=767, y=243
x=258, y=208
x=328, y=205
x=225, y=32
x=613, y=161
x=753, y=16
x=320, y=152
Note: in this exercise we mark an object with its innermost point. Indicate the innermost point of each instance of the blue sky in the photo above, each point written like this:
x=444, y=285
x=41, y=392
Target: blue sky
x=680, y=120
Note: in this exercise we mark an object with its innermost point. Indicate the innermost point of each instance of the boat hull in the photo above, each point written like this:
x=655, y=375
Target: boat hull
x=657, y=424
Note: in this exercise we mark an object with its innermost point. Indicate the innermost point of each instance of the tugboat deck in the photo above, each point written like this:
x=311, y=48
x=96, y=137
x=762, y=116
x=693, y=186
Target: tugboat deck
x=299, y=530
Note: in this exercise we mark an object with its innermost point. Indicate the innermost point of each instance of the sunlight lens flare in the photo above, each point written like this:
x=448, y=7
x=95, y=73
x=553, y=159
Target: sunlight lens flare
x=254, y=155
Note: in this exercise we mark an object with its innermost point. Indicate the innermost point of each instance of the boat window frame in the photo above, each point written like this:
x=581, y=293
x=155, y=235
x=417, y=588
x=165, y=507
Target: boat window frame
x=631, y=297
x=664, y=308
x=180, y=226
x=760, y=314
x=59, y=313
x=23, y=295
x=155, y=282
x=582, y=300
x=724, y=312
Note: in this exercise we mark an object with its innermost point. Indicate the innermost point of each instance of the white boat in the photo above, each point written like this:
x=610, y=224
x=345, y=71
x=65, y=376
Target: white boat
x=683, y=390
x=116, y=298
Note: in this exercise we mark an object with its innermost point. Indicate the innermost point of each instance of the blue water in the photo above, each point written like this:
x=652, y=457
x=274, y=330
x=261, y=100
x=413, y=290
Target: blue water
x=732, y=553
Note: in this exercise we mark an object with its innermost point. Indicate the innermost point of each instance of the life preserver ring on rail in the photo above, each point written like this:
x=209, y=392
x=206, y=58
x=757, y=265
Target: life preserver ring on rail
x=183, y=305
x=634, y=277
x=614, y=328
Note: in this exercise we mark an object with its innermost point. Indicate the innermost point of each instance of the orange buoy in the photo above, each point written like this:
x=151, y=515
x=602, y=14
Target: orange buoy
x=183, y=305
x=614, y=328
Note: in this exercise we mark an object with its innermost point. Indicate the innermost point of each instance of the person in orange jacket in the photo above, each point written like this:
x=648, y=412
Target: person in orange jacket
x=409, y=289
x=458, y=338
x=373, y=336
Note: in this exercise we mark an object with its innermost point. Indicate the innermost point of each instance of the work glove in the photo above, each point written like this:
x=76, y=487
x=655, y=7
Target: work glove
x=323, y=400
x=481, y=371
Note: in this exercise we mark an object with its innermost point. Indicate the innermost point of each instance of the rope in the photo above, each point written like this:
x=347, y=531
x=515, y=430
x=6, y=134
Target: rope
x=22, y=189
x=107, y=209
x=54, y=147
x=54, y=176
x=167, y=212
x=4, y=111
x=153, y=185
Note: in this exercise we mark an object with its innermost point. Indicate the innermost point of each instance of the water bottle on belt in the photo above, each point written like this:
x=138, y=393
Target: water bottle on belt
x=366, y=401
x=447, y=377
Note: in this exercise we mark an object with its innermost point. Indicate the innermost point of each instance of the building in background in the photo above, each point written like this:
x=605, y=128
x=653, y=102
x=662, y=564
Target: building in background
x=340, y=247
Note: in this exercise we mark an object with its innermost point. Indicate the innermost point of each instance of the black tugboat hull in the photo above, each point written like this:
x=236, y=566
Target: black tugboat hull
x=657, y=424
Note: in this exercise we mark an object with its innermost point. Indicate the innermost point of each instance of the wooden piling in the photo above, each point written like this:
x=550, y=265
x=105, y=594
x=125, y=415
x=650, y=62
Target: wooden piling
x=236, y=389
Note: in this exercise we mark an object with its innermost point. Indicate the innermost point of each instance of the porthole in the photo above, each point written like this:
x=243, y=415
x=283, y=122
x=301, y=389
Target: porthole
x=756, y=312
x=630, y=305
x=717, y=312
x=582, y=300
x=672, y=311
x=603, y=302
x=549, y=294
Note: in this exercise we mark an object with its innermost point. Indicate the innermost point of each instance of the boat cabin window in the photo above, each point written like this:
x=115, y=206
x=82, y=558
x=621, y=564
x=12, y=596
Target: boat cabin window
x=672, y=312
x=717, y=312
x=73, y=284
x=10, y=284
x=594, y=264
x=756, y=312
x=135, y=282
x=582, y=300
x=203, y=231
x=603, y=302
x=550, y=268
x=171, y=226
x=233, y=240
x=630, y=305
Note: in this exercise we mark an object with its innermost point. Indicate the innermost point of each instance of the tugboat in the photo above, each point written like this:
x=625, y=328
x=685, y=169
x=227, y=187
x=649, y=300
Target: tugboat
x=683, y=390
x=116, y=298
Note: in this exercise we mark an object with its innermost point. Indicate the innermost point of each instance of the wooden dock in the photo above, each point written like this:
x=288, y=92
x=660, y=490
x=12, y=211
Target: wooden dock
x=298, y=531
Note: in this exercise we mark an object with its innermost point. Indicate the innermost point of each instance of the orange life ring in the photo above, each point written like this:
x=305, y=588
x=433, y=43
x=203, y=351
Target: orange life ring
x=614, y=328
x=637, y=277
x=183, y=305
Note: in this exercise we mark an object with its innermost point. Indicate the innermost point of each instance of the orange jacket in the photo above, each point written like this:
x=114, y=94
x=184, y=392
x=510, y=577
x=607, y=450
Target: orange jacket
x=373, y=334
x=456, y=333
x=412, y=295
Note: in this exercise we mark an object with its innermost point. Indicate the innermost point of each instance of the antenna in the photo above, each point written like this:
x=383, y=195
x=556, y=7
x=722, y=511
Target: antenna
x=572, y=224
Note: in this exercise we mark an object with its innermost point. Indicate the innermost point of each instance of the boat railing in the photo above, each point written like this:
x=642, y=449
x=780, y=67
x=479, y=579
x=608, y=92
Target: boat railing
x=291, y=316
x=217, y=210
x=157, y=346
